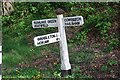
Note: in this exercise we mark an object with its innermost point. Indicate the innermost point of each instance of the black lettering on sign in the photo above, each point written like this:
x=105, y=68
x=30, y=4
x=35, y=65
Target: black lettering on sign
x=47, y=41
x=36, y=25
x=44, y=25
x=56, y=35
x=57, y=39
x=67, y=23
x=72, y=23
x=72, y=19
x=45, y=37
x=41, y=42
x=41, y=25
x=65, y=20
x=38, y=43
x=79, y=18
x=52, y=36
x=51, y=21
x=39, y=38
x=43, y=21
x=39, y=22
x=48, y=37
x=36, y=22
x=75, y=23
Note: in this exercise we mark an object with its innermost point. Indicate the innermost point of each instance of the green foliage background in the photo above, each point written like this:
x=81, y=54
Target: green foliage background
x=18, y=33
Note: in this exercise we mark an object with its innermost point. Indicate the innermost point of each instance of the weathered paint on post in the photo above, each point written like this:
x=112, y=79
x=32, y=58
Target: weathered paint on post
x=65, y=64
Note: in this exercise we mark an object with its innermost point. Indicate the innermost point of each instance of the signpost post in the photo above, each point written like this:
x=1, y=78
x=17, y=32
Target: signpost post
x=60, y=36
x=65, y=64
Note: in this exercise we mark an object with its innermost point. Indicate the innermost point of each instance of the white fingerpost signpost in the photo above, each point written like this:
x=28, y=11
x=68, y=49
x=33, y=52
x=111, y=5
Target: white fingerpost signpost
x=60, y=36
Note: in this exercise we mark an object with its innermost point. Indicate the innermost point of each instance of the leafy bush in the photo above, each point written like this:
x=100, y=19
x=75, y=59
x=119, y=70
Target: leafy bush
x=112, y=62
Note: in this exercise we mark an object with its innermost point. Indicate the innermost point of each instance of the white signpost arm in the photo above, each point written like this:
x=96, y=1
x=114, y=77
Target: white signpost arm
x=65, y=64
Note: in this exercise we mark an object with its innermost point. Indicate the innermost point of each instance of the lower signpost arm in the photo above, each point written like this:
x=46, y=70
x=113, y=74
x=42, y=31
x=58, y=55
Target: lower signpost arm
x=65, y=64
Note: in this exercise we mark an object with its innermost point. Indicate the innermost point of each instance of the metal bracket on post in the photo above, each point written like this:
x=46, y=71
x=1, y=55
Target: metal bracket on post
x=65, y=64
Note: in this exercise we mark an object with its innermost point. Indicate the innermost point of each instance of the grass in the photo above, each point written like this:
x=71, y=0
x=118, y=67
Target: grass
x=10, y=60
x=17, y=52
x=23, y=73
